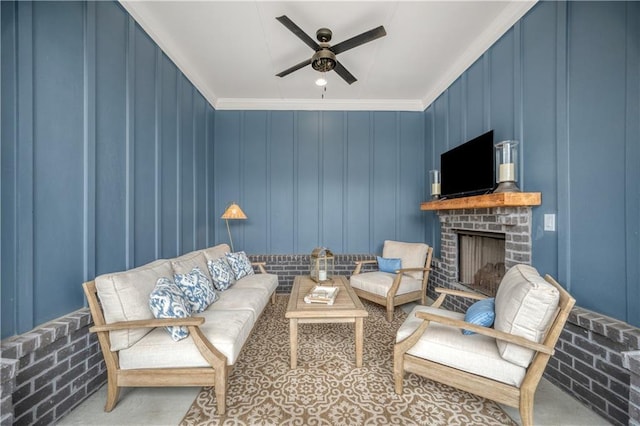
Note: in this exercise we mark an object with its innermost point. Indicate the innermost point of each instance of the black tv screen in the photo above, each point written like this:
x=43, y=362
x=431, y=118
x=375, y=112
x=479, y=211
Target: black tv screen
x=468, y=169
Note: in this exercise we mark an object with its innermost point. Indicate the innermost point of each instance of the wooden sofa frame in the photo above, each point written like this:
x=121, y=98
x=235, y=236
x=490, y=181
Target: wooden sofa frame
x=216, y=375
x=518, y=397
x=392, y=299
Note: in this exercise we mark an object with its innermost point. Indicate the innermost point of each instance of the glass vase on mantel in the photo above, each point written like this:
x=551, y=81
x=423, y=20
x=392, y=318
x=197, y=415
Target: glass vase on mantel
x=507, y=166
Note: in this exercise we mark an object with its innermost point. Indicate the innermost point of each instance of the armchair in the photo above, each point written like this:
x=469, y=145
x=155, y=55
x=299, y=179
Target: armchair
x=504, y=363
x=404, y=285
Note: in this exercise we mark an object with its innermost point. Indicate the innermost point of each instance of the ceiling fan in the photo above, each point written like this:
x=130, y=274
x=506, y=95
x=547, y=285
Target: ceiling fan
x=325, y=57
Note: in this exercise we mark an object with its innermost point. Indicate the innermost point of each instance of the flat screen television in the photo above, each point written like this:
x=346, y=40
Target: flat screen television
x=468, y=169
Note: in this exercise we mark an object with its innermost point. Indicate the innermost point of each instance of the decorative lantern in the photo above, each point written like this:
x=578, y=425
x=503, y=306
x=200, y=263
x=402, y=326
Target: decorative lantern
x=434, y=178
x=507, y=166
x=321, y=264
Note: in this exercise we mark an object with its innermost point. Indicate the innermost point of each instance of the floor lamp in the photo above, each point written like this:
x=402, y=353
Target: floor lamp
x=232, y=212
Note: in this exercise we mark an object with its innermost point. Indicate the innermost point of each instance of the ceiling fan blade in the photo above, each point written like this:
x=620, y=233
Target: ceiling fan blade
x=359, y=39
x=342, y=72
x=284, y=20
x=294, y=68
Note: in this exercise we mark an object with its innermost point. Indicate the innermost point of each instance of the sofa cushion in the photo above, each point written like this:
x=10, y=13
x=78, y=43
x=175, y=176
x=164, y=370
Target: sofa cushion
x=481, y=313
x=525, y=306
x=221, y=274
x=197, y=289
x=226, y=330
x=267, y=282
x=185, y=263
x=386, y=264
x=413, y=255
x=215, y=252
x=124, y=296
x=380, y=282
x=244, y=299
x=476, y=354
x=240, y=264
x=168, y=301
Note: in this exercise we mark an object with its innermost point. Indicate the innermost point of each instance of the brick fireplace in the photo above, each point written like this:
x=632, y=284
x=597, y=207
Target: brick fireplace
x=511, y=224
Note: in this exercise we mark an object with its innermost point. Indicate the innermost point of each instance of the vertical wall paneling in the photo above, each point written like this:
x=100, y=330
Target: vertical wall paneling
x=8, y=165
x=308, y=180
x=562, y=145
x=89, y=128
x=169, y=154
x=157, y=156
x=143, y=149
x=58, y=84
x=255, y=186
x=358, y=176
x=632, y=159
x=111, y=136
x=539, y=124
x=24, y=166
x=130, y=110
x=282, y=166
x=200, y=172
x=332, y=180
x=597, y=99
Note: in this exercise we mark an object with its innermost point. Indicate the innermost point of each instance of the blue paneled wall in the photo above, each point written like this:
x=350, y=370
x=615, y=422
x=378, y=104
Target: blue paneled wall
x=106, y=155
x=565, y=82
x=345, y=180
x=111, y=158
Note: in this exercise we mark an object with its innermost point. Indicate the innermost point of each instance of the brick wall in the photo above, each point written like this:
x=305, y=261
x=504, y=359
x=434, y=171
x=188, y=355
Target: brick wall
x=287, y=266
x=631, y=361
x=45, y=373
x=588, y=363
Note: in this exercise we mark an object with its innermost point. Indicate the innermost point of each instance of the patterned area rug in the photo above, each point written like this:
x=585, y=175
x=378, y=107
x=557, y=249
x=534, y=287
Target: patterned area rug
x=327, y=388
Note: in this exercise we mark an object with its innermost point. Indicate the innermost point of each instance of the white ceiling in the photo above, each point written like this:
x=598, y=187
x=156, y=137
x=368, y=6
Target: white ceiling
x=232, y=50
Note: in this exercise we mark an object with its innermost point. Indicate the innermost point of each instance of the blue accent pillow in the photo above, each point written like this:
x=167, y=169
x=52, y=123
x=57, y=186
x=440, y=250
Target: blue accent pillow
x=221, y=273
x=168, y=301
x=483, y=312
x=197, y=289
x=240, y=264
x=389, y=264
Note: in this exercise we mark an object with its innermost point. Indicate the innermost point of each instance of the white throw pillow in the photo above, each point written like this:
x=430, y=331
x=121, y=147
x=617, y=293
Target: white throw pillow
x=525, y=306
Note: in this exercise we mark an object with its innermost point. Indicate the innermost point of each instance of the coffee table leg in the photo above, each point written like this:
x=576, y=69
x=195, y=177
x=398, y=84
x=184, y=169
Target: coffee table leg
x=359, y=340
x=293, y=340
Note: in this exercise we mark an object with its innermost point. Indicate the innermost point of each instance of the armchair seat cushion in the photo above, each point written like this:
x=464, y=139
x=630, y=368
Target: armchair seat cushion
x=226, y=330
x=379, y=283
x=476, y=354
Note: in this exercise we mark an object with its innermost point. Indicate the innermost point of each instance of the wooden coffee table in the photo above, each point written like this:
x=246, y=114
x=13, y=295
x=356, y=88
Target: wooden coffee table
x=346, y=308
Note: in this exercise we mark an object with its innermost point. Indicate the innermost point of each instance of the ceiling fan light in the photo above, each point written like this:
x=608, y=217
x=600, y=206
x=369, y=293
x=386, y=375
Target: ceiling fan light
x=321, y=82
x=323, y=60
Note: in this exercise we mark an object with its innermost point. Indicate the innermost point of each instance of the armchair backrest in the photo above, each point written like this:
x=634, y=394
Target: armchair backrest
x=413, y=255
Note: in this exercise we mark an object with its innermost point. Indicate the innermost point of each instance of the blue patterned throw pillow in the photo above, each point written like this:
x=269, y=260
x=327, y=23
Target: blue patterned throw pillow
x=240, y=264
x=389, y=264
x=168, y=301
x=197, y=289
x=483, y=312
x=221, y=273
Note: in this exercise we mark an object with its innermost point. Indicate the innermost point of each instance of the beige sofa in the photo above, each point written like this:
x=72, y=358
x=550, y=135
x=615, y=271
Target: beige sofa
x=137, y=349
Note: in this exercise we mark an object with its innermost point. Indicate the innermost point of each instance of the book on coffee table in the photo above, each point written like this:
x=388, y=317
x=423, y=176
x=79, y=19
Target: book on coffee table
x=322, y=294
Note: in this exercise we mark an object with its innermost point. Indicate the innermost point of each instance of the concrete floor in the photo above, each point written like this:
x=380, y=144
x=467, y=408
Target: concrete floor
x=167, y=406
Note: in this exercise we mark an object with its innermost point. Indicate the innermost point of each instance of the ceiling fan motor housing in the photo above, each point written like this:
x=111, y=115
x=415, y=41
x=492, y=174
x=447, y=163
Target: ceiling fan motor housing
x=323, y=60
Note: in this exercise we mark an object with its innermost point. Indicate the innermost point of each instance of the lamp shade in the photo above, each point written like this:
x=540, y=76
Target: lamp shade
x=233, y=212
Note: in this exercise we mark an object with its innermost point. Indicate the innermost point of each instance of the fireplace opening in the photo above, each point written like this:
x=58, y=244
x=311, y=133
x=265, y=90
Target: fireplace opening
x=481, y=257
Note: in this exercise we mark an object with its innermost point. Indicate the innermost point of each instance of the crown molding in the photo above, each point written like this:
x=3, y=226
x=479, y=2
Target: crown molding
x=320, y=104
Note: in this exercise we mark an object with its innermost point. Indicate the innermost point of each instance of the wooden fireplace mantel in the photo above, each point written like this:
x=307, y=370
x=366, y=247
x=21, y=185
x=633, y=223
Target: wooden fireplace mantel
x=501, y=199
